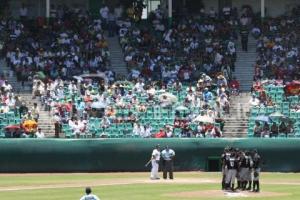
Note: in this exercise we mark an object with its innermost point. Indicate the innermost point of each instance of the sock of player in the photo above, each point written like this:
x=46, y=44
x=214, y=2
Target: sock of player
x=244, y=185
x=257, y=186
x=249, y=187
x=239, y=184
x=254, y=186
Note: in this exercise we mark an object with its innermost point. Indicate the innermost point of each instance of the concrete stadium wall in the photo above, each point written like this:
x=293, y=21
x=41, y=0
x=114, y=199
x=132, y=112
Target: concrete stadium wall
x=100, y=155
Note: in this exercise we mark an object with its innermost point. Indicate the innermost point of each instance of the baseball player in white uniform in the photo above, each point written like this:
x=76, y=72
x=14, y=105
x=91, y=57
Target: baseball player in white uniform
x=88, y=195
x=155, y=158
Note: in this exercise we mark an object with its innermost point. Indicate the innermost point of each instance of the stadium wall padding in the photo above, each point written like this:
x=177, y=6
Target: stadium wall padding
x=102, y=155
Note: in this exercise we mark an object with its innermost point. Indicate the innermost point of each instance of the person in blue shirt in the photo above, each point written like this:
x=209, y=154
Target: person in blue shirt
x=80, y=106
x=207, y=95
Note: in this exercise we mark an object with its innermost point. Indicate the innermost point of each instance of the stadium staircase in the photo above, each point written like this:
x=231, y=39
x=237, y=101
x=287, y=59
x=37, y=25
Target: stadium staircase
x=25, y=93
x=244, y=70
x=236, y=124
x=118, y=64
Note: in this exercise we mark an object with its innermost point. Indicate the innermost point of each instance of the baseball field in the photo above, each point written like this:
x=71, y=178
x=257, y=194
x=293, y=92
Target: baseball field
x=137, y=186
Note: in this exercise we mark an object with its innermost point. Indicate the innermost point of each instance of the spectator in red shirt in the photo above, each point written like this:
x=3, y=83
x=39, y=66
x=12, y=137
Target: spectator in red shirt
x=160, y=134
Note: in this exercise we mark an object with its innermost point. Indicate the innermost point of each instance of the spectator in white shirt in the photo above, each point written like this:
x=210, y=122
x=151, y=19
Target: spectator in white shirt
x=10, y=102
x=4, y=108
x=39, y=133
x=136, y=129
x=104, y=15
x=254, y=101
x=148, y=130
x=23, y=12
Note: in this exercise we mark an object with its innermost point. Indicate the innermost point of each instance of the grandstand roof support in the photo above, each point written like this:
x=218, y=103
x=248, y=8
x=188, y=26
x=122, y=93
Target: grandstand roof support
x=170, y=10
x=47, y=9
x=262, y=8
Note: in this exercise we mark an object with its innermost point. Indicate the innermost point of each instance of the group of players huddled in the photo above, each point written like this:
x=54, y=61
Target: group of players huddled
x=243, y=166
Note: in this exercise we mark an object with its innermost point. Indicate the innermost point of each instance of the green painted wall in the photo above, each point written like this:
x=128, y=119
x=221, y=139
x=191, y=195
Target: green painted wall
x=87, y=155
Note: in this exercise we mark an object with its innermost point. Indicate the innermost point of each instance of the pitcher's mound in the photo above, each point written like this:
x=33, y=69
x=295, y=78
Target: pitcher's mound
x=219, y=193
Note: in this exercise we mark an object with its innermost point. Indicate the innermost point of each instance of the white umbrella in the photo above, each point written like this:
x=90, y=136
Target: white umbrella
x=276, y=115
x=98, y=105
x=204, y=119
x=167, y=97
x=181, y=108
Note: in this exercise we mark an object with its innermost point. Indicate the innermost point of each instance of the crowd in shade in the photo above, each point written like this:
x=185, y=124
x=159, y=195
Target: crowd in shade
x=71, y=44
x=278, y=48
x=275, y=89
x=155, y=52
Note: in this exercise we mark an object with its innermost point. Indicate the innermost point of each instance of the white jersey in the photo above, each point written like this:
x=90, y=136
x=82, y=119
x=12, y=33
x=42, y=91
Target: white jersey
x=156, y=154
x=89, y=197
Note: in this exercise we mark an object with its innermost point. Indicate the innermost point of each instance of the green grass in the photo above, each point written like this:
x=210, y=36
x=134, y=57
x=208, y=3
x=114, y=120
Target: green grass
x=111, y=186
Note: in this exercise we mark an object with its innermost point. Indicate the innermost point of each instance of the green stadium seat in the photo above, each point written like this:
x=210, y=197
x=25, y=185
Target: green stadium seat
x=250, y=132
x=10, y=115
x=282, y=135
x=270, y=110
x=279, y=99
x=177, y=132
x=18, y=121
x=293, y=115
x=262, y=111
x=68, y=133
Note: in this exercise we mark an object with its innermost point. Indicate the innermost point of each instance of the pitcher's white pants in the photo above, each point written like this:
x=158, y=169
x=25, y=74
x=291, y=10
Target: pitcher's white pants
x=154, y=169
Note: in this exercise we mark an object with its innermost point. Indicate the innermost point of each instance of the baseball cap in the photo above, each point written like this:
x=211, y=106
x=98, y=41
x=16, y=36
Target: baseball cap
x=88, y=190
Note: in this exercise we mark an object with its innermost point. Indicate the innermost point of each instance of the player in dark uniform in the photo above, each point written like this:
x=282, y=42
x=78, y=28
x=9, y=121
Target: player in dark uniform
x=232, y=165
x=256, y=170
x=238, y=174
x=249, y=173
x=224, y=157
x=244, y=170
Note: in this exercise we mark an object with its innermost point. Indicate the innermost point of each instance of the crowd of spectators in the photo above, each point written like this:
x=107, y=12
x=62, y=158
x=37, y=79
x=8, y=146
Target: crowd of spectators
x=188, y=47
x=160, y=60
x=278, y=49
x=191, y=61
x=79, y=103
x=70, y=44
x=276, y=74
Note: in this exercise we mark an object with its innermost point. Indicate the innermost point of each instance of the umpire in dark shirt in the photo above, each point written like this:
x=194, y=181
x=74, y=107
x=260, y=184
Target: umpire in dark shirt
x=168, y=162
x=244, y=32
